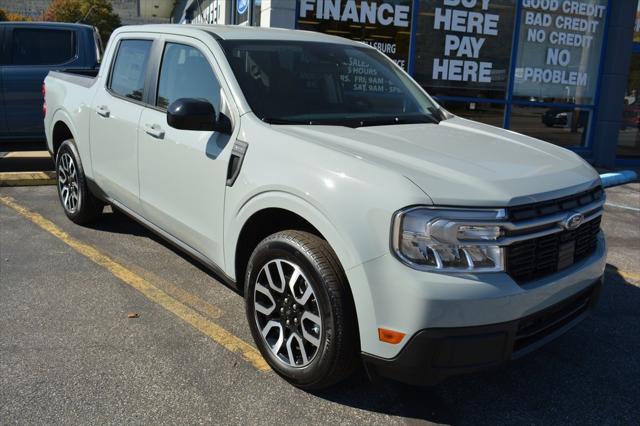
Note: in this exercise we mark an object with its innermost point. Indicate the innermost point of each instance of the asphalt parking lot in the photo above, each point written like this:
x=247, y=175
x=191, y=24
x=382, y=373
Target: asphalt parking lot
x=69, y=353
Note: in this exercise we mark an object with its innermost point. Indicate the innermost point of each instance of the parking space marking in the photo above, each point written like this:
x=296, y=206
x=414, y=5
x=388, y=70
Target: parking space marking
x=620, y=206
x=189, y=299
x=214, y=331
x=27, y=154
x=631, y=277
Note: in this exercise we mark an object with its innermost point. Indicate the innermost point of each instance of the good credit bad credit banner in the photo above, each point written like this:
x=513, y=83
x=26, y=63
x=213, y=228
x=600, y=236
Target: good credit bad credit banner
x=559, y=49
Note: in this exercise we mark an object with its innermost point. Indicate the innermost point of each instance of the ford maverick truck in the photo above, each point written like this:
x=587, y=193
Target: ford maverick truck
x=361, y=221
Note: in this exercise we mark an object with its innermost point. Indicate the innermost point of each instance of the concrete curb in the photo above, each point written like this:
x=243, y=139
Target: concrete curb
x=27, y=154
x=27, y=178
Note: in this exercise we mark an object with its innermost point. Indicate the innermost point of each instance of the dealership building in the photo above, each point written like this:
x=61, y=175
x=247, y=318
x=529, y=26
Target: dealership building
x=565, y=71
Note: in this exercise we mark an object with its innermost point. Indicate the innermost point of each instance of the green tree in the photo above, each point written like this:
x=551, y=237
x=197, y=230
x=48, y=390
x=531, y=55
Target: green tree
x=98, y=13
x=17, y=17
x=4, y=16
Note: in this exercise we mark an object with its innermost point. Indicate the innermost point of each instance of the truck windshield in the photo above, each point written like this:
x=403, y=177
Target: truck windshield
x=299, y=82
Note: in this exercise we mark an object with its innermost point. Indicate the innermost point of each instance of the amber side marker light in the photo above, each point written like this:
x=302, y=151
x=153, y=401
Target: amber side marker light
x=390, y=336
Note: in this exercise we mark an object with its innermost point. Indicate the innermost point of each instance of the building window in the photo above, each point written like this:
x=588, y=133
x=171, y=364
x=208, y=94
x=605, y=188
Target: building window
x=256, y=11
x=464, y=48
x=559, y=51
x=564, y=126
x=629, y=134
x=535, y=61
x=385, y=25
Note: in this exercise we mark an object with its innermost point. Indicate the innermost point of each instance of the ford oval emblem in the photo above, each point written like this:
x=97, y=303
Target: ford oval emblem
x=573, y=221
x=242, y=6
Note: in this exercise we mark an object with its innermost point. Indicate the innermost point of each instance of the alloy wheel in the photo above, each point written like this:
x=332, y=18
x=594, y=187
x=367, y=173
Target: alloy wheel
x=287, y=313
x=68, y=183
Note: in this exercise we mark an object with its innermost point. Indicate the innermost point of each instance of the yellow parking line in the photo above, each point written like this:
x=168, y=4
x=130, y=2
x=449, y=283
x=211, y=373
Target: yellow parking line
x=631, y=277
x=214, y=331
x=189, y=299
x=27, y=178
x=28, y=154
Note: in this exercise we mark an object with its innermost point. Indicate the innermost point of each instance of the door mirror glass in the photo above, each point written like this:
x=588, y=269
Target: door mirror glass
x=191, y=114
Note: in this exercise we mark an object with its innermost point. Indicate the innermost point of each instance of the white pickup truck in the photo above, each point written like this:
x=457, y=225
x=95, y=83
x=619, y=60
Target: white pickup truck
x=360, y=220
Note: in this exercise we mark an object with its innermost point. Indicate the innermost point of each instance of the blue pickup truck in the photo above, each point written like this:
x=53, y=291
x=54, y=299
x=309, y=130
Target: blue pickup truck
x=28, y=51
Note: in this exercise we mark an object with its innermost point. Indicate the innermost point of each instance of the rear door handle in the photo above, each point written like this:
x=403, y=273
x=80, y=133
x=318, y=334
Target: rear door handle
x=154, y=130
x=103, y=111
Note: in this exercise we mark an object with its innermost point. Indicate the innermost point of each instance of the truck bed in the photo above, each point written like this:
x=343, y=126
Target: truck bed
x=81, y=77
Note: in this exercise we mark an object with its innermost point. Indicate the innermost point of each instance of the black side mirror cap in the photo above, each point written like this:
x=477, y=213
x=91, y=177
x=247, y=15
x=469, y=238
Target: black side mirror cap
x=191, y=114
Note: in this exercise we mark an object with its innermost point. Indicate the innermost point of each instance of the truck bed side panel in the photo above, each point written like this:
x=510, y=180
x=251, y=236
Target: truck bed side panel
x=69, y=98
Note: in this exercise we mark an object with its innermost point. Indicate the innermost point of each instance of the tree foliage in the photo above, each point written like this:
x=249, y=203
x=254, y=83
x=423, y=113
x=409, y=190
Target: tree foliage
x=99, y=13
x=4, y=16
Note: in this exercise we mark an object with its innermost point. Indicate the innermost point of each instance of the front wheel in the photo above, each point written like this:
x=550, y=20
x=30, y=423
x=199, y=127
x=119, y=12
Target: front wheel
x=300, y=310
x=79, y=204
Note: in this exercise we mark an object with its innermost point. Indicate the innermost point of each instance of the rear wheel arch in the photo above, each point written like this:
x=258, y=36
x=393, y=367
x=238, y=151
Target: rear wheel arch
x=61, y=132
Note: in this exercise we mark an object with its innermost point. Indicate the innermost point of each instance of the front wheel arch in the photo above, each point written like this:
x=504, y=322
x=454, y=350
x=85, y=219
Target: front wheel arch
x=259, y=226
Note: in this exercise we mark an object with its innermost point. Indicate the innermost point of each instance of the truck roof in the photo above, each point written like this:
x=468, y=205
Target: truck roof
x=44, y=24
x=237, y=32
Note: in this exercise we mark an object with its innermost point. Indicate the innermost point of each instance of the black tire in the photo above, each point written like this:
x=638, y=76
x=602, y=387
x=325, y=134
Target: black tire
x=71, y=182
x=337, y=355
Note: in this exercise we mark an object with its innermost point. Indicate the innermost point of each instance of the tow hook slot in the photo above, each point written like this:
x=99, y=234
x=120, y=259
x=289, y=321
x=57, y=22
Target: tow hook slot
x=235, y=162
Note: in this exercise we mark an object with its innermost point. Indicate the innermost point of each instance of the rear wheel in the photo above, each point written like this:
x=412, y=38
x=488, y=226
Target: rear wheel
x=79, y=204
x=300, y=310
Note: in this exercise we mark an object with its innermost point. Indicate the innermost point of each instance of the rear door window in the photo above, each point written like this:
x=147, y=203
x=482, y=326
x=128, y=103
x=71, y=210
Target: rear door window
x=129, y=69
x=40, y=46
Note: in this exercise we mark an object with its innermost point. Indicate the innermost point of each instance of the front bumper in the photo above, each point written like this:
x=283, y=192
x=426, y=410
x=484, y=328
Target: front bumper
x=435, y=354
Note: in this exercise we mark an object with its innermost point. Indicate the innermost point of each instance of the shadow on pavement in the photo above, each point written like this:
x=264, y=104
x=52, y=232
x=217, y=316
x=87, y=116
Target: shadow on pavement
x=118, y=222
x=589, y=375
x=42, y=162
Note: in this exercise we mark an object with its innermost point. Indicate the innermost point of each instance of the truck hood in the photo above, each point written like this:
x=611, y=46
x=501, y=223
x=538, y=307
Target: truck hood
x=460, y=162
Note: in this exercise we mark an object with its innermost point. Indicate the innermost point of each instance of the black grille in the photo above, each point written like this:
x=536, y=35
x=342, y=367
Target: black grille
x=536, y=258
x=530, y=211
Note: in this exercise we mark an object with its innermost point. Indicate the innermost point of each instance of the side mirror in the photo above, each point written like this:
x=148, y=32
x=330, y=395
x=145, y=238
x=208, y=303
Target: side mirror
x=196, y=114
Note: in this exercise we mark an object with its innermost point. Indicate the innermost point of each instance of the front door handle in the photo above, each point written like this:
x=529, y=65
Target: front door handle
x=103, y=111
x=154, y=130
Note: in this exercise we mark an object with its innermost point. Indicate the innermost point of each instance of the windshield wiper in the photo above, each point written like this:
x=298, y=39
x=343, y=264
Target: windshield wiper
x=385, y=121
x=321, y=122
x=275, y=120
x=357, y=122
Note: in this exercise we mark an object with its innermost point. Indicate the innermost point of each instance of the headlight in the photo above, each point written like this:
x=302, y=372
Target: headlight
x=449, y=240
